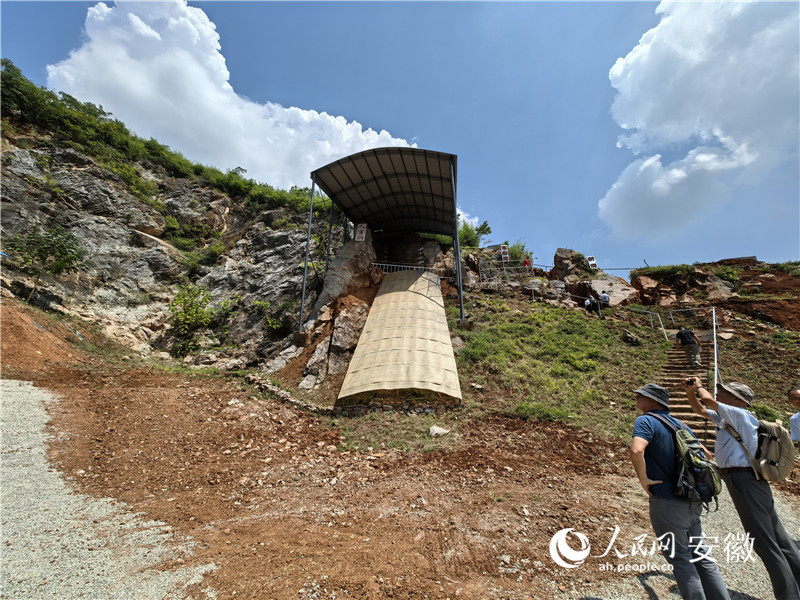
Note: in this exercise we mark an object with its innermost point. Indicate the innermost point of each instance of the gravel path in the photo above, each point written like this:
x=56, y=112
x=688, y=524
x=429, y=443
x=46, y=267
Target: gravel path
x=57, y=543
x=746, y=580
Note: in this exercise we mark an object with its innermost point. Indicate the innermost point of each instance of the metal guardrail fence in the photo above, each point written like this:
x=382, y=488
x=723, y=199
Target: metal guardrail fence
x=394, y=267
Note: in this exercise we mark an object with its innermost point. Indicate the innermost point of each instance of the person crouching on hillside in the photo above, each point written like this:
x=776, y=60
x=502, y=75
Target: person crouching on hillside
x=653, y=458
x=751, y=494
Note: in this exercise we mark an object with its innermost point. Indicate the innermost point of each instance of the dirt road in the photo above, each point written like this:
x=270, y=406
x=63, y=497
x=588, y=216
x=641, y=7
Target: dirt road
x=272, y=498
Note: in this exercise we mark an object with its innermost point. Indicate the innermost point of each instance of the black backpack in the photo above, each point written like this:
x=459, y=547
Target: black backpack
x=698, y=477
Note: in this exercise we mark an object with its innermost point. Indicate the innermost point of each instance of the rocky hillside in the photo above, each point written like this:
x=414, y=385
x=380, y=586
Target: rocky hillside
x=141, y=251
x=250, y=261
x=742, y=285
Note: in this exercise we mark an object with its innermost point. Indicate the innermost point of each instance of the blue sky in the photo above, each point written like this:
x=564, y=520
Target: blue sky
x=632, y=131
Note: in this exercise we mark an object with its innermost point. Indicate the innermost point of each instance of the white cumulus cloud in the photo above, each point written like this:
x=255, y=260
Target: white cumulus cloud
x=159, y=68
x=715, y=86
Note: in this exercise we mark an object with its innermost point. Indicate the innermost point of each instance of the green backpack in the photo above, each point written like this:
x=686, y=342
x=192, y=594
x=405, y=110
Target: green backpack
x=698, y=477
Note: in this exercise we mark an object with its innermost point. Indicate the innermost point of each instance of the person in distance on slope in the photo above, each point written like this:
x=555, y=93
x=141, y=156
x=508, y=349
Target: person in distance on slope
x=690, y=345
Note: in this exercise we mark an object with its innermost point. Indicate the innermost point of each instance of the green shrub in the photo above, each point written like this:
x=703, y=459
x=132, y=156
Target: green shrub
x=728, y=273
x=666, y=273
x=211, y=253
x=190, y=309
x=171, y=225
x=792, y=268
x=54, y=251
x=183, y=243
x=260, y=307
x=517, y=252
x=273, y=324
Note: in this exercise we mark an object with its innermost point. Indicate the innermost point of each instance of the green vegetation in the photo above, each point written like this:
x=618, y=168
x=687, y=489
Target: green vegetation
x=541, y=412
x=787, y=339
x=728, y=273
x=260, y=307
x=665, y=273
x=91, y=130
x=190, y=309
x=470, y=236
x=791, y=268
x=554, y=363
x=517, y=252
x=54, y=251
x=764, y=411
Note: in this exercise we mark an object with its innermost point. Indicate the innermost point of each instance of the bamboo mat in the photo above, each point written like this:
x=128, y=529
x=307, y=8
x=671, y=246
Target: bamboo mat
x=405, y=342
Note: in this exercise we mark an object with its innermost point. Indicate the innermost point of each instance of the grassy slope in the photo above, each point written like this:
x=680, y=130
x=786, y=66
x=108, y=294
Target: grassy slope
x=533, y=360
x=530, y=361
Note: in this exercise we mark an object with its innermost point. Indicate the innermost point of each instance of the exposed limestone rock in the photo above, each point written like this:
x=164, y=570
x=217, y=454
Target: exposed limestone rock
x=630, y=338
x=618, y=290
x=134, y=272
x=282, y=359
x=318, y=363
x=333, y=353
x=308, y=383
x=699, y=283
x=719, y=289
x=348, y=325
x=376, y=275
x=338, y=363
x=347, y=272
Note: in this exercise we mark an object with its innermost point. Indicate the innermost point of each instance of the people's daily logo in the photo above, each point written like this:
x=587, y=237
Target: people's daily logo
x=570, y=549
x=563, y=554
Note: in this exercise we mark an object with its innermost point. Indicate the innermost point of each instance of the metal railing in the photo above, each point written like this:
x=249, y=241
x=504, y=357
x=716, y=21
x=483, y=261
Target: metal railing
x=394, y=267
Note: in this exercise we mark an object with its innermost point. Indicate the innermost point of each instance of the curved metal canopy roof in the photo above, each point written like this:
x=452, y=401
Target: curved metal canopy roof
x=394, y=190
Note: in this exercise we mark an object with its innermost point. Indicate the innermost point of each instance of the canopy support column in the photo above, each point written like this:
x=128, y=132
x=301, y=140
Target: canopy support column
x=456, y=245
x=328, y=245
x=308, y=245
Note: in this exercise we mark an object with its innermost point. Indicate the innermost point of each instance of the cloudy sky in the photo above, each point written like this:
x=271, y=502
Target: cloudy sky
x=633, y=131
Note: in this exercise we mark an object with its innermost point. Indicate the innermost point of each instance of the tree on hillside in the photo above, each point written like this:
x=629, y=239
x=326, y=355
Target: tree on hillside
x=518, y=252
x=55, y=251
x=470, y=236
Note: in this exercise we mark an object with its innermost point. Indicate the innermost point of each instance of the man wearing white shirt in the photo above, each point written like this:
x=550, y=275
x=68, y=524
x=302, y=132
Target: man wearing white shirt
x=751, y=494
x=794, y=420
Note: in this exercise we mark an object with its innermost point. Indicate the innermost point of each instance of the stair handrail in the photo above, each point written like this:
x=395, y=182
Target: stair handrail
x=651, y=313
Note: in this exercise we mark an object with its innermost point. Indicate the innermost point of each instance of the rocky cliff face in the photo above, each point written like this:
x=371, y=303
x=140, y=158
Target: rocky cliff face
x=135, y=271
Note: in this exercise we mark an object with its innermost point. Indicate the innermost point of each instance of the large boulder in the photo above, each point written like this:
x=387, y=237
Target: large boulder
x=619, y=291
x=333, y=353
x=349, y=271
x=567, y=263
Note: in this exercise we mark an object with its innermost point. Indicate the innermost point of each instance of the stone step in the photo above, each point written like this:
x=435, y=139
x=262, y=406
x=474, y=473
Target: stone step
x=672, y=375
